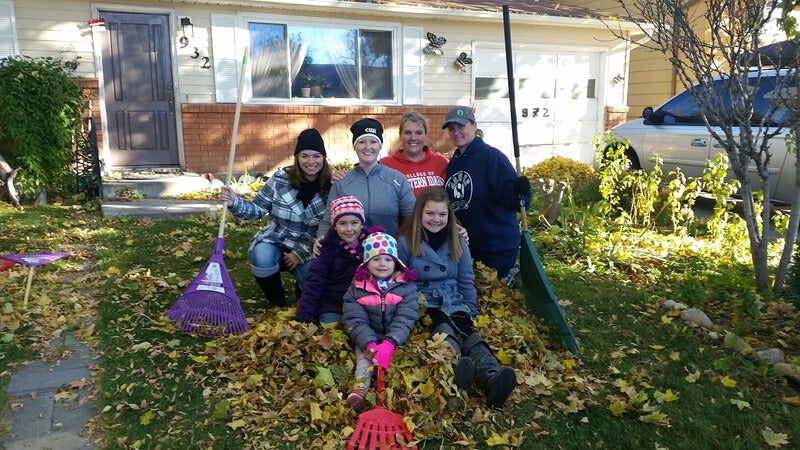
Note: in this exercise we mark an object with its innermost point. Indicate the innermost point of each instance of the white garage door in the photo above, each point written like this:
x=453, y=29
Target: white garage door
x=556, y=101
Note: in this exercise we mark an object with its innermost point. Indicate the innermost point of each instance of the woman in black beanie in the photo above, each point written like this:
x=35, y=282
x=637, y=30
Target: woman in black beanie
x=385, y=193
x=295, y=199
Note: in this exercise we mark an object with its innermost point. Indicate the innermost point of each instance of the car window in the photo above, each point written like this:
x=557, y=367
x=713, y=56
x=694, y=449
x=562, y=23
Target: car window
x=683, y=109
x=768, y=94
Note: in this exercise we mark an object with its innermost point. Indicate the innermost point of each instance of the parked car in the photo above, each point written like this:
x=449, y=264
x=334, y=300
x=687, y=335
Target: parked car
x=675, y=131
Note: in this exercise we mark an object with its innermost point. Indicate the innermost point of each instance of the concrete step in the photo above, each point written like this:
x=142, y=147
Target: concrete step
x=152, y=184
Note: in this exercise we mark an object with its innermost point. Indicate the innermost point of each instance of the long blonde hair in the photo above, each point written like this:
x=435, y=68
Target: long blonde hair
x=412, y=229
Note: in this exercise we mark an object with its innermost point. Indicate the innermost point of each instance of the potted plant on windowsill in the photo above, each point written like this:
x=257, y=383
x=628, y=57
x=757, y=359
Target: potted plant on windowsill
x=318, y=84
x=306, y=79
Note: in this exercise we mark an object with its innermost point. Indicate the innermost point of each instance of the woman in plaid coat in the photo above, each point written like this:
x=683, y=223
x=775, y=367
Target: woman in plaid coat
x=295, y=199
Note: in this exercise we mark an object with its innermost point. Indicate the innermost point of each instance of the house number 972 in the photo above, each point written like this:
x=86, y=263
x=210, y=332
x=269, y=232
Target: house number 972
x=536, y=112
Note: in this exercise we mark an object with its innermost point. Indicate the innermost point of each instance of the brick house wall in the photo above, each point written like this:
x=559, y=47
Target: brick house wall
x=267, y=133
x=91, y=91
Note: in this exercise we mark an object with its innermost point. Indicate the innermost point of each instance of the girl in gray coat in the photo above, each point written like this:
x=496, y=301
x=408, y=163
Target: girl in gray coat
x=379, y=311
x=429, y=243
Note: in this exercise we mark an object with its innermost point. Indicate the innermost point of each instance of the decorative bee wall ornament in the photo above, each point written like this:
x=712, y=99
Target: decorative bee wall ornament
x=435, y=45
x=463, y=61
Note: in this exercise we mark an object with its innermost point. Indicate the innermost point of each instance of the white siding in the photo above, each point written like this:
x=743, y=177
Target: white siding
x=49, y=27
x=223, y=34
x=413, y=65
x=56, y=29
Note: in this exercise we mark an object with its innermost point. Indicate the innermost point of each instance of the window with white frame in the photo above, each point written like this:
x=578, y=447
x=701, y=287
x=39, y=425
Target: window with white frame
x=339, y=60
x=8, y=34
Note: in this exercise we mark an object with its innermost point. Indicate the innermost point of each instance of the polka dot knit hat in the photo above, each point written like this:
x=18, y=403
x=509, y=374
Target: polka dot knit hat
x=379, y=243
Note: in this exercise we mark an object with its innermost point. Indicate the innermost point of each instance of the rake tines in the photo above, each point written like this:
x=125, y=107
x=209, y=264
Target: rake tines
x=209, y=305
x=381, y=429
x=209, y=313
x=32, y=261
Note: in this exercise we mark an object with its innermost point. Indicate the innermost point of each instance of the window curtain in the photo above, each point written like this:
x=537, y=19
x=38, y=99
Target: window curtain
x=345, y=68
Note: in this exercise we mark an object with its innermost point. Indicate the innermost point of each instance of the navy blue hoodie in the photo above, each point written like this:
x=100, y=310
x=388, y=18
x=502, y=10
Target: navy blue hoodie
x=480, y=185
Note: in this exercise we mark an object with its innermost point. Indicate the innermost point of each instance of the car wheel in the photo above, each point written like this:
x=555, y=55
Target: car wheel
x=633, y=159
x=630, y=156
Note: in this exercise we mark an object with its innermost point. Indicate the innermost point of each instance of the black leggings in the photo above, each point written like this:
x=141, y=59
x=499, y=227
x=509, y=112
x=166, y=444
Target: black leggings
x=460, y=321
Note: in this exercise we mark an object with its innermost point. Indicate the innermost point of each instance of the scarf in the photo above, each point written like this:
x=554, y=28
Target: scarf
x=307, y=191
x=436, y=240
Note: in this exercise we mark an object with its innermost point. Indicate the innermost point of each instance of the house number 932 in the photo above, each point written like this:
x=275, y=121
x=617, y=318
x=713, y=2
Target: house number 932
x=206, y=61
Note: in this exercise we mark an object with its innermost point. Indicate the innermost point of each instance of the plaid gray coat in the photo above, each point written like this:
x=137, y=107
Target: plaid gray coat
x=291, y=226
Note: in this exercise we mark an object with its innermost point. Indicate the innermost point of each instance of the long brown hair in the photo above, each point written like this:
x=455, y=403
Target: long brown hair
x=412, y=229
x=297, y=176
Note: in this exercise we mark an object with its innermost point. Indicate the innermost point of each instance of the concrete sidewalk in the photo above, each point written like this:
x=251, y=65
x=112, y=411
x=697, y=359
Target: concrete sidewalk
x=159, y=208
x=52, y=402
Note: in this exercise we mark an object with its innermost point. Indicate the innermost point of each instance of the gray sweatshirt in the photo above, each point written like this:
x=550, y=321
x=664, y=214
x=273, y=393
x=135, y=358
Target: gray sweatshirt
x=385, y=193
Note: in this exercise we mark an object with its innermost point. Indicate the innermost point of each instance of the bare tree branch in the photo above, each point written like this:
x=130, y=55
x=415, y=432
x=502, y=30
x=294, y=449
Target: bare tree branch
x=714, y=47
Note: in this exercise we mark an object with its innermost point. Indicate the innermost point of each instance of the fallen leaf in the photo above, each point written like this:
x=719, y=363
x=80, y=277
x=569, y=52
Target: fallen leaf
x=793, y=401
x=617, y=407
x=655, y=417
x=236, y=424
x=496, y=439
x=692, y=377
x=728, y=381
x=146, y=418
x=774, y=439
x=741, y=404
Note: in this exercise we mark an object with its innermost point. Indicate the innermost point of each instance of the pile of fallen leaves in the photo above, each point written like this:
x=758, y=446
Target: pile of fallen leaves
x=288, y=381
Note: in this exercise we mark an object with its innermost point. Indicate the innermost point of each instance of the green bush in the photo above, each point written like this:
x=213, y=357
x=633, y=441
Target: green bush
x=40, y=108
x=581, y=177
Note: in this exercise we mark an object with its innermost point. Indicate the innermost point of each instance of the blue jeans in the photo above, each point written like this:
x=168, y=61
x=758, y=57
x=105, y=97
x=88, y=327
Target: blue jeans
x=329, y=317
x=267, y=260
x=502, y=262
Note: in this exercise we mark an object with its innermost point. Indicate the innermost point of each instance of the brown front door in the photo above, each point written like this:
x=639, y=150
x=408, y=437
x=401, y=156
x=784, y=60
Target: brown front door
x=139, y=92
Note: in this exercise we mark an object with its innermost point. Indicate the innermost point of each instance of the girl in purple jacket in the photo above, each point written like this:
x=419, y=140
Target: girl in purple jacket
x=331, y=273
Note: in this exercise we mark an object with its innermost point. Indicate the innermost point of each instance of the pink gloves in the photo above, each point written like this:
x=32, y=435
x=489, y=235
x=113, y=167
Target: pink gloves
x=382, y=353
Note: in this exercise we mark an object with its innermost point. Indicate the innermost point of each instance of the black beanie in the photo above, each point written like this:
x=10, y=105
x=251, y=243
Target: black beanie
x=310, y=139
x=367, y=127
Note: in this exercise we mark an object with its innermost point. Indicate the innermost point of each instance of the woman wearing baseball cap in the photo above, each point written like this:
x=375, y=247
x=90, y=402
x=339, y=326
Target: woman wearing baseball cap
x=486, y=193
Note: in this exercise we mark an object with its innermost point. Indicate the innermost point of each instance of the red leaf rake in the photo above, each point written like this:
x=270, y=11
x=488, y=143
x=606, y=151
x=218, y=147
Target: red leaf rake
x=380, y=428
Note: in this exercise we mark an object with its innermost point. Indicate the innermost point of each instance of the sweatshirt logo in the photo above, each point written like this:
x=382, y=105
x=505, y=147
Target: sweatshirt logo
x=459, y=186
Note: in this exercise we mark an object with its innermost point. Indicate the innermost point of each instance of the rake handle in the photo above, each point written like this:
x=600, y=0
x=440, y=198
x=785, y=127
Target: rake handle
x=31, y=269
x=232, y=152
x=513, y=106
